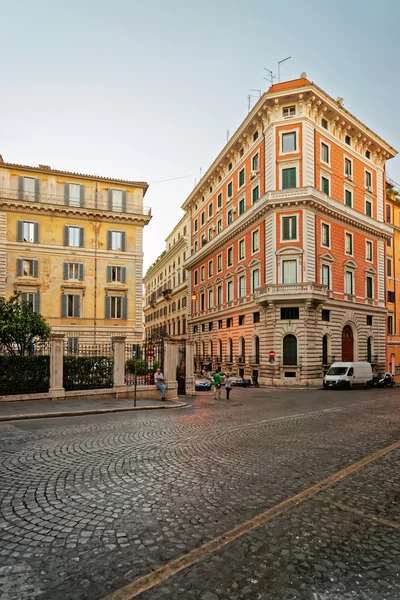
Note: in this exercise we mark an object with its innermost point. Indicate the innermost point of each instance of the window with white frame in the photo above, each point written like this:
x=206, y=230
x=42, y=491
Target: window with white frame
x=325, y=235
x=28, y=232
x=230, y=216
x=349, y=244
x=196, y=224
x=219, y=200
x=210, y=268
x=326, y=275
x=288, y=111
x=241, y=178
x=289, y=142
x=325, y=184
x=196, y=246
x=289, y=228
x=368, y=251
x=348, y=198
x=230, y=189
x=241, y=250
x=368, y=180
x=289, y=271
x=369, y=285
x=202, y=218
x=368, y=207
x=117, y=200
x=219, y=295
x=325, y=152
x=202, y=276
x=210, y=299
x=229, y=290
x=242, y=286
x=255, y=193
x=388, y=267
x=255, y=162
x=196, y=275
x=289, y=178
x=71, y=305
x=219, y=225
x=255, y=279
x=348, y=167
x=241, y=206
x=255, y=241
x=210, y=210
x=219, y=263
x=229, y=257
x=116, y=240
x=73, y=236
x=349, y=282
x=210, y=233
x=74, y=194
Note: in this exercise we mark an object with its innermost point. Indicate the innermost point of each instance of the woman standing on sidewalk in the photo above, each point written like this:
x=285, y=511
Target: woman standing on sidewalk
x=228, y=385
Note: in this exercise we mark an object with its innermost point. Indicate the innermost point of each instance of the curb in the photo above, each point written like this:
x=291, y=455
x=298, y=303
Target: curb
x=80, y=413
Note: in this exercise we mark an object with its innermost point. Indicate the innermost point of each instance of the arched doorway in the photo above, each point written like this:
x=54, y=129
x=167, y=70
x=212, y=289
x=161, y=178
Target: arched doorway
x=242, y=350
x=220, y=349
x=325, y=350
x=256, y=350
x=230, y=350
x=290, y=350
x=347, y=344
x=369, y=350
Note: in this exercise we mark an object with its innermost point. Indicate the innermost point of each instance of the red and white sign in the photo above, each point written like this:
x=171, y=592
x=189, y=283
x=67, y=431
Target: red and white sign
x=150, y=353
x=272, y=354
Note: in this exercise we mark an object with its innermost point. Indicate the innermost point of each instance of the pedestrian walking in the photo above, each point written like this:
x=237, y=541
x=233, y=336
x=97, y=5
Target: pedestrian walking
x=159, y=381
x=217, y=386
x=228, y=385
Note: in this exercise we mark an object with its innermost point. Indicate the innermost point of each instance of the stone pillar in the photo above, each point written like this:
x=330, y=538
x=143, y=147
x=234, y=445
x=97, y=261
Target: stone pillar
x=119, y=365
x=56, y=366
x=189, y=368
x=170, y=366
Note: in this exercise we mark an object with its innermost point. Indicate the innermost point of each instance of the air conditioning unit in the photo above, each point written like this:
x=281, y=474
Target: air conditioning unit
x=350, y=177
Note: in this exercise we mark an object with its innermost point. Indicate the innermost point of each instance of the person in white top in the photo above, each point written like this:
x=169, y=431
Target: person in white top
x=159, y=381
x=228, y=385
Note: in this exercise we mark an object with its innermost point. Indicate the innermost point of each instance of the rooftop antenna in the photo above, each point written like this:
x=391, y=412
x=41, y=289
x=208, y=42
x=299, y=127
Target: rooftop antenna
x=250, y=96
x=270, y=76
x=227, y=135
x=279, y=66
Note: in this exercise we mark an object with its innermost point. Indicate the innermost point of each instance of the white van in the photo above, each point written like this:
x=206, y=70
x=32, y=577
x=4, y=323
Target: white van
x=348, y=374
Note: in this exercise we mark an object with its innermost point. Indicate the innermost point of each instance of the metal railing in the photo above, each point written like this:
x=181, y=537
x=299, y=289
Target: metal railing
x=87, y=366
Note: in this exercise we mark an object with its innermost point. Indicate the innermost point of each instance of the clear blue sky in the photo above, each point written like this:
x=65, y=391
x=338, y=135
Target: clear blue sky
x=147, y=89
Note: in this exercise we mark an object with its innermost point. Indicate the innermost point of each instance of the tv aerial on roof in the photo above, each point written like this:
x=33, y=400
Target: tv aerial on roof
x=271, y=76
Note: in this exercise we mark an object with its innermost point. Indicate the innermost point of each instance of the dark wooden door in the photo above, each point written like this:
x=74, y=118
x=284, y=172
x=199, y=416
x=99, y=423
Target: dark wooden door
x=347, y=344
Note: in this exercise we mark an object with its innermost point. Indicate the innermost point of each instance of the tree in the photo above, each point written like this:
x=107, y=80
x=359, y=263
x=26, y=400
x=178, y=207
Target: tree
x=20, y=327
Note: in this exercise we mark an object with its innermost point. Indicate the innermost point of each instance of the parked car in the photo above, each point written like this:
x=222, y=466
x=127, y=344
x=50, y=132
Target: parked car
x=240, y=382
x=348, y=375
x=201, y=383
x=384, y=381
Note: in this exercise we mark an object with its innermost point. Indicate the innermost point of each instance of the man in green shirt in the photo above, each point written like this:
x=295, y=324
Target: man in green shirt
x=217, y=386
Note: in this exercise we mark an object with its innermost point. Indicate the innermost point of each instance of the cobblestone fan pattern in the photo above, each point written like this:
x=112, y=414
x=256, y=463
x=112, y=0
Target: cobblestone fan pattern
x=88, y=505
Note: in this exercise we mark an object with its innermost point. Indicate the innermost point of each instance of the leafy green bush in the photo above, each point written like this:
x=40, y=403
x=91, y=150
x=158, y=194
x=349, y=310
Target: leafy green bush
x=87, y=372
x=24, y=374
x=142, y=366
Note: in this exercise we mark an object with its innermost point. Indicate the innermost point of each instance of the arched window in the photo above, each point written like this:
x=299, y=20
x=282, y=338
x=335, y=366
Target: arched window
x=325, y=350
x=369, y=350
x=211, y=349
x=230, y=350
x=290, y=350
x=220, y=349
x=203, y=345
x=256, y=350
x=242, y=349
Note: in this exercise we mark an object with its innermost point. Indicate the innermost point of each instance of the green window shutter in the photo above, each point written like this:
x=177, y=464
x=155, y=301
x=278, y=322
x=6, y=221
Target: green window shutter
x=109, y=239
x=66, y=270
x=66, y=193
x=292, y=178
x=109, y=274
x=20, y=263
x=37, y=189
x=77, y=306
x=123, y=240
x=81, y=237
x=36, y=303
x=255, y=193
x=66, y=235
x=107, y=311
x=241, y=207
x=82, y=196
x=36, y=233
x=35, y=268
x=124, y=308
x=285, y=225
x=20, y=188
x=230, y=189
x=123, y=274
x=241, y=177
x=285, y=179
x=20, y=231
x=64, y=305
x=110, y=194
x=124, y=201
x=348, y=198
x=80, y=271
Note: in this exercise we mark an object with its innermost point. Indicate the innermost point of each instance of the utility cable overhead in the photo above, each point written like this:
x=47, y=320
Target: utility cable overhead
x=174, y=178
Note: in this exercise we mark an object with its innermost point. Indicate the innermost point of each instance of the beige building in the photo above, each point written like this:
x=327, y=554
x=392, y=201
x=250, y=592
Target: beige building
x=166, y=301
x=72, y=245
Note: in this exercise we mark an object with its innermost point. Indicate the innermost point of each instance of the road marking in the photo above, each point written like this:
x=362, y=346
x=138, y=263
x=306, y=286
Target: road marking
x=140, y=585
x=360, y=513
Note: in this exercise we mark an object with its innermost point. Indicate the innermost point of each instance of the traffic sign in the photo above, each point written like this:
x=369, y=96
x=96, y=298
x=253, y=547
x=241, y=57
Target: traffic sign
x=272, y=354
x=272, y=360
x=150, y=352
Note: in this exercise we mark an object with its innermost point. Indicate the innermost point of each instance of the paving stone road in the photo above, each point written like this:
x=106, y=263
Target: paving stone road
x=89, y=504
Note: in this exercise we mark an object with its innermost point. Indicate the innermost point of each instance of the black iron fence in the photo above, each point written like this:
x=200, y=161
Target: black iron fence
x=141, y=362
x=88, y=367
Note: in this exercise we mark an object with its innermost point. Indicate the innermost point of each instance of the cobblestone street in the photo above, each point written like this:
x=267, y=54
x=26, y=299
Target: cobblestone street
x=89, y=504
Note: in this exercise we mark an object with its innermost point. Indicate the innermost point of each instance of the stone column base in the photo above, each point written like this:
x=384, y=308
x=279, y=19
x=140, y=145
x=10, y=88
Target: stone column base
x=190, y=386
x=171, y=392
x=57, y=393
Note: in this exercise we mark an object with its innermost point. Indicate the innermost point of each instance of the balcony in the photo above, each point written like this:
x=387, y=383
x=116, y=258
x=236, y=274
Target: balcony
x=298, y=292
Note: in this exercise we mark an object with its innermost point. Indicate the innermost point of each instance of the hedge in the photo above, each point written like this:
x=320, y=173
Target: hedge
x=142, y=366
x=24, y=374
x=88, y=372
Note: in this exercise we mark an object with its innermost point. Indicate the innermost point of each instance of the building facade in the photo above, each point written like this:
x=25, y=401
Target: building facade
x=287, y=241
x=392, y=217
x=72, y=245
x=166, y=288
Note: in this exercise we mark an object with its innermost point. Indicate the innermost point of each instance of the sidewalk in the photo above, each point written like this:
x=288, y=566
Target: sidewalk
x=41, y=409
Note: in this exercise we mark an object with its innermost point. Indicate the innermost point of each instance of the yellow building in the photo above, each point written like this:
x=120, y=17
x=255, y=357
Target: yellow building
x=72, y=245
x=166, y=289
x=392, y=271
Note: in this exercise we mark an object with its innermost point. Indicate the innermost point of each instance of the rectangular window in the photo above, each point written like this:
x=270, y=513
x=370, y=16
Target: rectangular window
x=388, y=267
x=326, y=315
x=390, y=325
x=219, y=295
x=27, y=268
x=289, y=178
x=210, y=326
x=196, y=224
x=202, y=302
x=324, y=153
x=73, y=271
x=255, y=279
x=391, y=296
x=255, y=241
x=33, y=299
x=116, y=240
x=230, y=216
x=368, y=208
x=219, y=226
x=347, y=167
x=202, y=273
x=289, y=228
x=73, y=345
x=289, y=271
x=242, y=286
x=28, y=231
x=348, y=198
x=370, y=287
x=326, y=275
x=230, y=189
x=74, y=194
x=241, y=206
x=290, y=313
x=219, y=323
x=349, y=244
x=255, y=162
x=203, y=218
x=219, y=263
x=368, y=180
x=210, y=268
x=230, y=257
x=325, y=235
x=219, y=200
x=229, y=322
x=256, y=317
x=196, y=274
x=241, y=249
x=210, y=210
x=116, y=307
x=349, y=282
x=73, y=236
x=210, y=299
x=28, y=188
x=288, y=111
x=241, y=320
x=229, y=289
x=70, y=305
x=324, y=123
x=241, y=178
x=369, y=320
x=325, y=185
x=368, y=251
x=117, y=200
x=388, y=214
x=289, y=142
x=255, y=193
x=347, y=140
